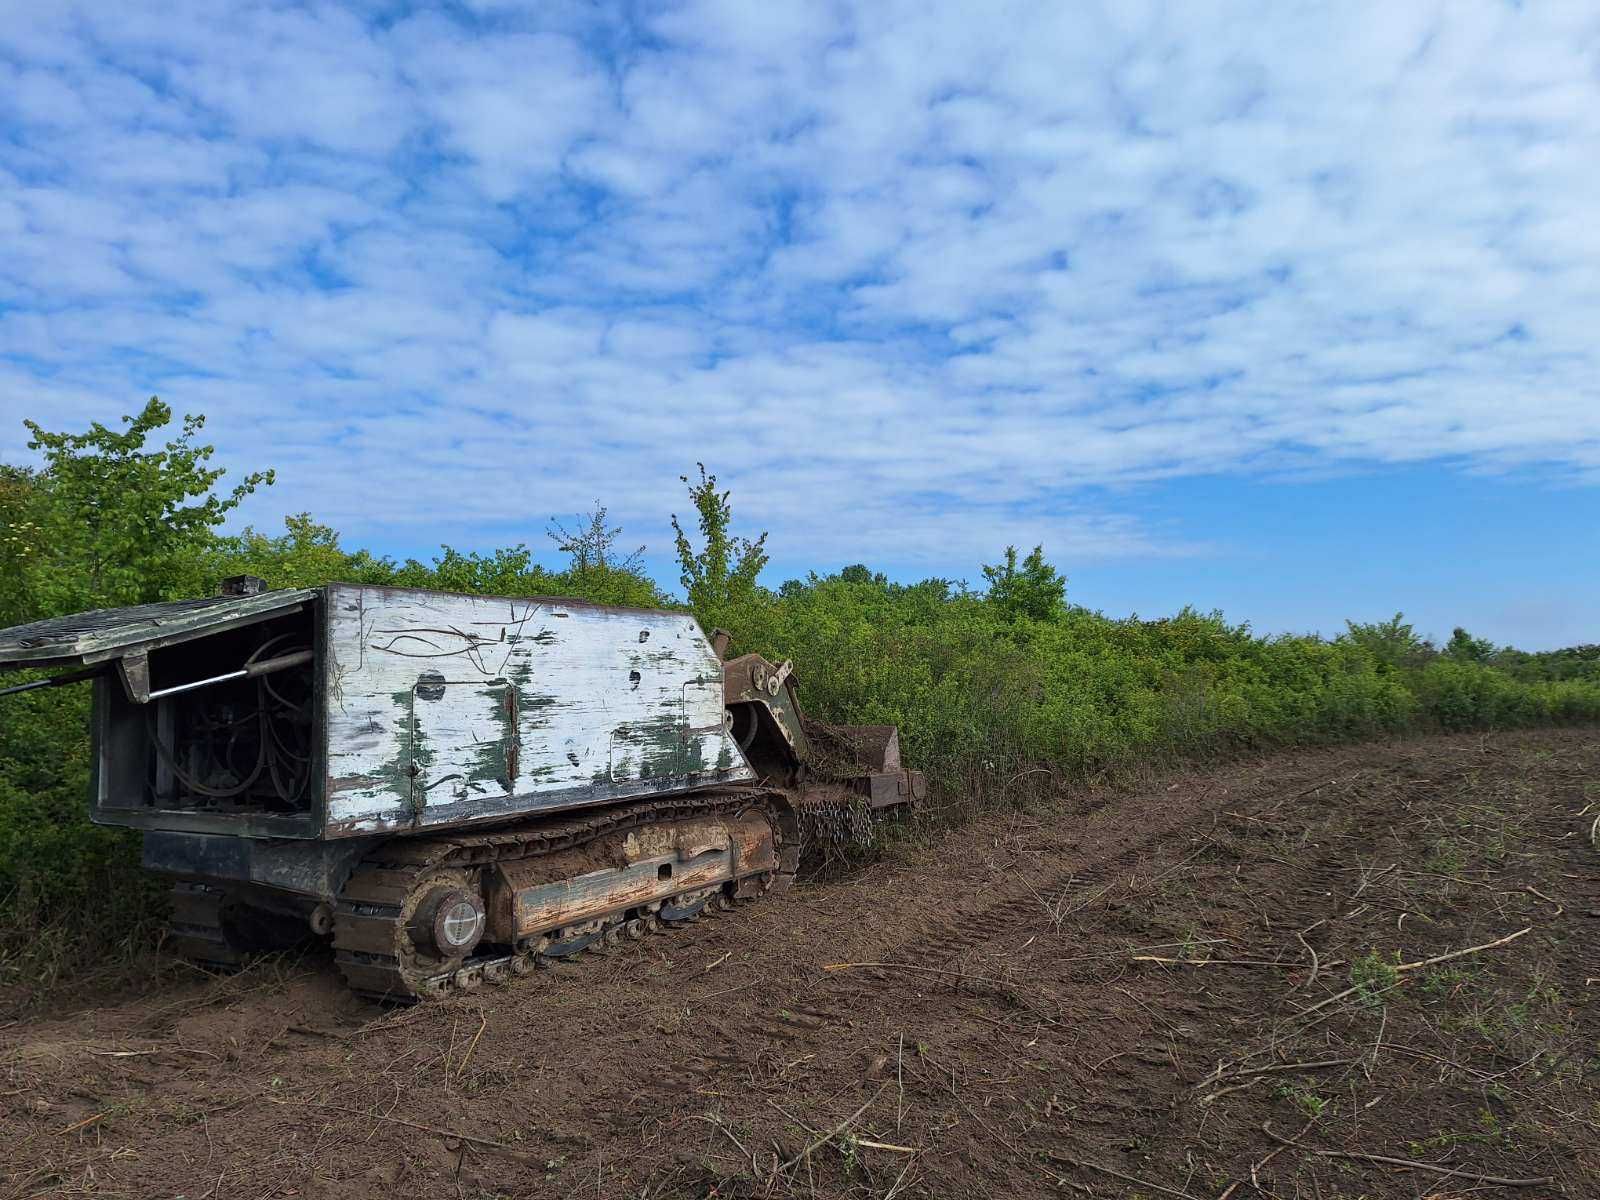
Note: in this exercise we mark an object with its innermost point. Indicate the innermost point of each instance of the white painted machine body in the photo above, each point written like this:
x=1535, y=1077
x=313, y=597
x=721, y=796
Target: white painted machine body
x=443, y=709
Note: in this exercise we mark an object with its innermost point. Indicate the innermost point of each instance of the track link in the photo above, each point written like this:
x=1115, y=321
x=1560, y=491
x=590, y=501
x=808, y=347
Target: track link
x=197, y=929
x=373, y=906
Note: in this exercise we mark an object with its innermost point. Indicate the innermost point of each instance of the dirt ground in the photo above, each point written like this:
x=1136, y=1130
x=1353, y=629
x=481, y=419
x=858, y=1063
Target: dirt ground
x=1214, y=986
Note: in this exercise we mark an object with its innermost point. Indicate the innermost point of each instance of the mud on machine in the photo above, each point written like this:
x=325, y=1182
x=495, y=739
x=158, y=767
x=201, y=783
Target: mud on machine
x=450, y=788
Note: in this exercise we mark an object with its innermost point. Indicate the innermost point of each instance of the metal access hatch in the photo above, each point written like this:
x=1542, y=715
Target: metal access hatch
x=123, y=638
x=205, y=712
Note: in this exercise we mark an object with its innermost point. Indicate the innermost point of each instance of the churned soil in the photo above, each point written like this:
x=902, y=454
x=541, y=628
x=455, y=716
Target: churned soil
x=1214, y=985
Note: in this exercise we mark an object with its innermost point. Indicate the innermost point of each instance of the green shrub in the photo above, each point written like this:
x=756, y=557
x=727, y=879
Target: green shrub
x=995, y=695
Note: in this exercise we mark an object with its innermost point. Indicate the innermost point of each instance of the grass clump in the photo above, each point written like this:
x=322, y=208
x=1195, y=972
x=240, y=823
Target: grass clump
x=1306, y=1101
x=1374, y=977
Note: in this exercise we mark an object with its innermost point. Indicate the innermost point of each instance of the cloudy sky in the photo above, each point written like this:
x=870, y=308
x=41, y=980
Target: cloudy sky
x=1286, y=309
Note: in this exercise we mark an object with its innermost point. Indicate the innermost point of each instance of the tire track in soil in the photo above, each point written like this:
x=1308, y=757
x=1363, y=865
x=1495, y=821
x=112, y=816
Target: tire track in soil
x=941, y=939
x=828, y=1014
x=812, y=1008
x=1101, y=862
x=1023, y=902
x=1129, y=1070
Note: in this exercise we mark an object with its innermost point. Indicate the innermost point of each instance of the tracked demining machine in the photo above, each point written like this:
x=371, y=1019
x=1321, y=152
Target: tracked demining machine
x=452, y=789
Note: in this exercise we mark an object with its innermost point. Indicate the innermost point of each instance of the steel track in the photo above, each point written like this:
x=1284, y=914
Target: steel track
x=196, y=929
x=369, y=935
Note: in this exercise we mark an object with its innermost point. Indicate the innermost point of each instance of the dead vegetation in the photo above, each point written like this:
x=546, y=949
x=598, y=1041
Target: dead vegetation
x=1368, y=972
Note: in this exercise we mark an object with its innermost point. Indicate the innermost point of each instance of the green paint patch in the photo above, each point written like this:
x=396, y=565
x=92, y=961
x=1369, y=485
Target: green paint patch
x=660, y=742
x=493, y=761
x=491, y=765
x=533, y=706
x=412, y=756
x=692, y=756
x=622, y=769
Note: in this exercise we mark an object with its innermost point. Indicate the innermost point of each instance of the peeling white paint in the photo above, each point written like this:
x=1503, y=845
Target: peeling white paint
x=446, y=708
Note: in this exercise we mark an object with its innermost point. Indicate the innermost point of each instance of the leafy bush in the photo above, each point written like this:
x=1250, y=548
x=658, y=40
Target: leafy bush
x=995, y=693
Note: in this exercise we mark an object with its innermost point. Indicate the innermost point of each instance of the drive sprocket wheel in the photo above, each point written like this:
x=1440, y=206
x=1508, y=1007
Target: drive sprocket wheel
x=394, y=943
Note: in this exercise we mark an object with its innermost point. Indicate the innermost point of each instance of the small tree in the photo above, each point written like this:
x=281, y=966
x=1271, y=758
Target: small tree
x=596, y=570
x=1463, y=646
x=121, y=524
x=1393, y=642
x=1033, y=590
x=721, y=575
x=103, y=520
x=861, y=573
x=593, y=546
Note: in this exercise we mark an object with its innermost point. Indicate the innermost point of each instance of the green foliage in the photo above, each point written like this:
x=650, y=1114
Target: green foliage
x=1374, y=977
x=720, y=577
x=22, y=542
x=1394, y=643
x=596, y=571
x=1032, y=591
x=306, y=554
x=1463, y=647
x=106, y=521
x=994, y=693
x=118, y=523
x=1311, y=1105
x=508, y=571
x=1574, y=663
x=1081, y=692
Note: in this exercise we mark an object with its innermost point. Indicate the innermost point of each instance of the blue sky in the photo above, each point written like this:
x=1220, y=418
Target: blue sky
x=1282, y=309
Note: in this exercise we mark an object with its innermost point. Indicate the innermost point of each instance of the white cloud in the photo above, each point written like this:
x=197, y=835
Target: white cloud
x=904, y=277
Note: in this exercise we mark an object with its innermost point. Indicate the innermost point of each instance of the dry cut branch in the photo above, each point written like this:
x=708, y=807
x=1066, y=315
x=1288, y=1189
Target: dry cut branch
x=835, y=1131
x=1410, y=1163
x=1420, y=963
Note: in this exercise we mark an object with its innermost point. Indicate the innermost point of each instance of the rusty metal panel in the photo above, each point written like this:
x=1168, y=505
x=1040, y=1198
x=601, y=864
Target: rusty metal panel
x=751, y=679
x=539, y=907
x=753, y=847
x=677, y=840
x=883, y=790
x=875, y=746
x=530, y=896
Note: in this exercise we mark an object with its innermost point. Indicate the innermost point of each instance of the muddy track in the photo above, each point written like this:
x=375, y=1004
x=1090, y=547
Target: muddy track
x=373, y=947
x=1020, y=1038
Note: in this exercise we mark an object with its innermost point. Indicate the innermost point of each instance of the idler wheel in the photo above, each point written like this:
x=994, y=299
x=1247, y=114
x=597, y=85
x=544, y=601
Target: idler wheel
x=448, y=923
